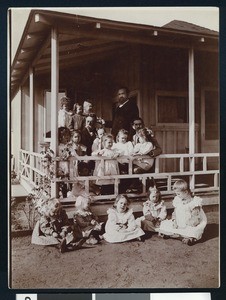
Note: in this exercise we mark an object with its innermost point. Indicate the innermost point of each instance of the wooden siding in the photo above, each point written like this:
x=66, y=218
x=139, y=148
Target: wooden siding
x=174, y=139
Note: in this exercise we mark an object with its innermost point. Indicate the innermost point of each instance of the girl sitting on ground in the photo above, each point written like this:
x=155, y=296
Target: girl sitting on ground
x=87, y=221
x=154, y=211
x=121, y=225
x=188, y=219
x=54, y=228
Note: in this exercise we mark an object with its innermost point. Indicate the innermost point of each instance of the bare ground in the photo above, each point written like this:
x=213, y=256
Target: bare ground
x=155, y=263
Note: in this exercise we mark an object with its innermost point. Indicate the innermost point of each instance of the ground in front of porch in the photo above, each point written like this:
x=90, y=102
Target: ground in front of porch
x=155, y=263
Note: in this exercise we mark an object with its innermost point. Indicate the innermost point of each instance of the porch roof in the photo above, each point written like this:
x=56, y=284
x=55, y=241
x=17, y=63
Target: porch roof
x=86, y=39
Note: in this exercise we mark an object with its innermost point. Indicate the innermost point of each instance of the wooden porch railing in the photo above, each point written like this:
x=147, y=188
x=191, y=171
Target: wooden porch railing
x=194, y=168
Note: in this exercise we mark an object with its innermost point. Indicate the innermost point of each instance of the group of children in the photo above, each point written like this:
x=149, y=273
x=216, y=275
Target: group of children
x=82, y=133
x=187, y=223
x=70, y=148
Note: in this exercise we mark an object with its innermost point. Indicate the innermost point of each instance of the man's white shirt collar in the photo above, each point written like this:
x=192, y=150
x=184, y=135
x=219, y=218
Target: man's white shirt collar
x=121, y=105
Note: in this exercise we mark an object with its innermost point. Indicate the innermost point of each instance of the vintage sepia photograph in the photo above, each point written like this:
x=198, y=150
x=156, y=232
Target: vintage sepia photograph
x=114, y=148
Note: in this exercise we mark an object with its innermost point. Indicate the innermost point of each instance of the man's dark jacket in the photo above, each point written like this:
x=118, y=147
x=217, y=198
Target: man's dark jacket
x=123, y=117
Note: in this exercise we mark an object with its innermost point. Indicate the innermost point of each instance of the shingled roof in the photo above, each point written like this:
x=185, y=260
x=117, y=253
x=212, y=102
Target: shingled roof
x=185, y=26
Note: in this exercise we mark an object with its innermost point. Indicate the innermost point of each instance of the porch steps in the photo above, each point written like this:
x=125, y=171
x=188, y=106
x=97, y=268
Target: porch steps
x=100, y=207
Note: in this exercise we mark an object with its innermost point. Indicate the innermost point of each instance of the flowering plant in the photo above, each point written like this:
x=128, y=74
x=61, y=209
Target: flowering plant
x=47, y=154
x=47, y=162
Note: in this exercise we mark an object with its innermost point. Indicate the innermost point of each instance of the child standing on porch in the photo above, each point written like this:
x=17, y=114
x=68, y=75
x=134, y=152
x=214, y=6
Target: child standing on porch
x=143, y=148
x=107, y=167
x=188, y=219
x=98, y=142
x=121, y=225
x=123, y=147
x=77, y=120
x=76, y=149
x=64, y=114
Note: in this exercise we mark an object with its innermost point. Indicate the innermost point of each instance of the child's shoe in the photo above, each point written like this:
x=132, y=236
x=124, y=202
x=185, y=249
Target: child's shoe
x=78, y=245
x=92, y=241
x=188, y=241
x=163, y=236
x=63, y=246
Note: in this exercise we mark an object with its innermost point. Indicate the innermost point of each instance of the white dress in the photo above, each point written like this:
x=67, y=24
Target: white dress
x=121, y=227
x=123, y=149
x=64, y=118
x=182, y=214
x=106, y=168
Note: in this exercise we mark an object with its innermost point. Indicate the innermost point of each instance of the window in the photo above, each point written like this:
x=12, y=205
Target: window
x=172, y=108
x=47, y=112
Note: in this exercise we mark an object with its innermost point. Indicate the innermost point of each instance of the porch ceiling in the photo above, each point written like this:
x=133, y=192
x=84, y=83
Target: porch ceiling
x=84, y=39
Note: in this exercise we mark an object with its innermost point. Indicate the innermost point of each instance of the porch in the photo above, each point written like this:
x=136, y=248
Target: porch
x=197, y=169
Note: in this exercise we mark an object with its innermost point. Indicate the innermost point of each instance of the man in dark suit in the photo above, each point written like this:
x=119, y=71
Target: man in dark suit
x=125, y=112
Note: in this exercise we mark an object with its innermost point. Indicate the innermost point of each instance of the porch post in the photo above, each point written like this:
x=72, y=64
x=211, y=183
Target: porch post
x=191, y=87
x=31, y=133
x=54, y=98
x=19, y=158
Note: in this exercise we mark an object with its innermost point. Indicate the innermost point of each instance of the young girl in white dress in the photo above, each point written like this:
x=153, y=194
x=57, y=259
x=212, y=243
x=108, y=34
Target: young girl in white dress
x=143, y=147
x=121, y=225
x=122, y=144
x=188, y=219
x=124, y=148
x=64, y=114
x=107, y=167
